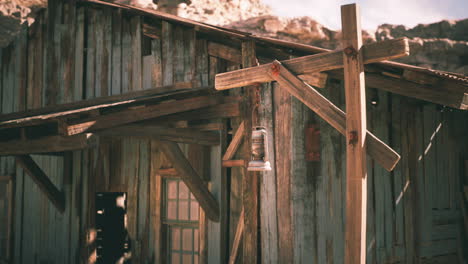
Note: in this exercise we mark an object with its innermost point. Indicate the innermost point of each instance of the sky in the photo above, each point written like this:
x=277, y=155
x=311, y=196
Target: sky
x=373, y=12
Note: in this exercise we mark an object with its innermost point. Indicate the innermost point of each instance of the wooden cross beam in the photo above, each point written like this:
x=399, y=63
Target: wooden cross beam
x=191, y=178
x=55, y=196
x=385, y=50
x=286, y=75
x=356, y=168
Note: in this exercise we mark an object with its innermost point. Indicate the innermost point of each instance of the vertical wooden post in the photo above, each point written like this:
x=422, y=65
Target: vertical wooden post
x=356, y=173
x=250, y=179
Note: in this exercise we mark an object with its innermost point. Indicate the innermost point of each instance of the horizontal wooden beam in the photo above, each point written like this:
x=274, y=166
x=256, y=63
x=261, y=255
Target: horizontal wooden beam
x=131, y=115
x=8, y=120
x=382, y=153
x=375, y=52
x=235, y=142
x=233, y=163
x=50, y=144
x=237, y=239
x=225, y=110
x=55, y=196
x=169, y=172
x=191, y=178
x=5, y=178
x=181, y=135
x=224, y=52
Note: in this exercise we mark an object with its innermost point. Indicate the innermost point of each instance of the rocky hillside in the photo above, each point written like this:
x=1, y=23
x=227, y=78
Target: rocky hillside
x=442, y=45
x=13, y=13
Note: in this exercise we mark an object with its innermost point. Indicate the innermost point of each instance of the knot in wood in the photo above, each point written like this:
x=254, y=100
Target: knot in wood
x=353, y=137
x=275, y=69
x=350, y=51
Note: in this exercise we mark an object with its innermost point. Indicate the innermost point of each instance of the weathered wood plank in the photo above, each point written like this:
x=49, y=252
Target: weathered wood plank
x=356, y=129
x=224, y=52
x=250, y=180
x=48, y=144
x=234, y=163
x=91, y=104
x=202, y=63
x=40, y=178
x=167, y=43
x=79, y=40
x=191, y=179
x=237, y=239
x=381, y=152
x=313, y=63
x=132, y=115
x=268, y=194
x=116, y=58
x=235, y=143
x=35, y=74
x=283, y=166
x=181, y=135
x=156, y=203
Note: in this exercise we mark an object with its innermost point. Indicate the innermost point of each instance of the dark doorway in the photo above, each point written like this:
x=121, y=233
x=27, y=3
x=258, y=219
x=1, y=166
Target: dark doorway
x=113, y=243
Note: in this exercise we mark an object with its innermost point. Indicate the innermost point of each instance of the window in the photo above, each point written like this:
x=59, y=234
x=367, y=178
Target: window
x=181, y=219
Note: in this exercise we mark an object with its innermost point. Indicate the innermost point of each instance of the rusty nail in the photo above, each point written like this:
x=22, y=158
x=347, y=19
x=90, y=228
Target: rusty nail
x=353, y=137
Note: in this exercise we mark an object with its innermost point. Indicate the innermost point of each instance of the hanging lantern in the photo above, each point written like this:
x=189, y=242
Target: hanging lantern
x=259, y=160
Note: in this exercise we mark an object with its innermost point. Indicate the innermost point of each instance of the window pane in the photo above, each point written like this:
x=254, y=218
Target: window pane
x=183, y=210
x=172, y=189
x=195, y=259
x=187, y=259
x=172, y=210
x=175, y=259
x=187, y=239
x=194, y=211
x=196, y=240
x=175, y=238
x=183, y=191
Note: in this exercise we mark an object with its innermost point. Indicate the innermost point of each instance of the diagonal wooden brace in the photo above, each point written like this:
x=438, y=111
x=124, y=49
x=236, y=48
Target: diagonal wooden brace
x=191, y=178
x=55, y=196
x=382, y=153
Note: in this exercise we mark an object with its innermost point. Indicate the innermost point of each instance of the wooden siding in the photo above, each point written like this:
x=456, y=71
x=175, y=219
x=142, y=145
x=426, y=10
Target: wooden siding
x=75, y=52
x=78, y=52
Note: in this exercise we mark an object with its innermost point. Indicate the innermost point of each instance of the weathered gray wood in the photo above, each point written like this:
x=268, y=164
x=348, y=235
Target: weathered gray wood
x=181, y=135
x=40, y=178
x=383, y=154
x=167, y=42
x=191, y=179
x=313, y=63
x=116, y=68
x=283, y=165
x=48, y=144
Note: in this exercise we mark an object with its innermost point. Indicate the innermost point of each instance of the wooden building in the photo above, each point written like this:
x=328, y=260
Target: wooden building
x=95, y=97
